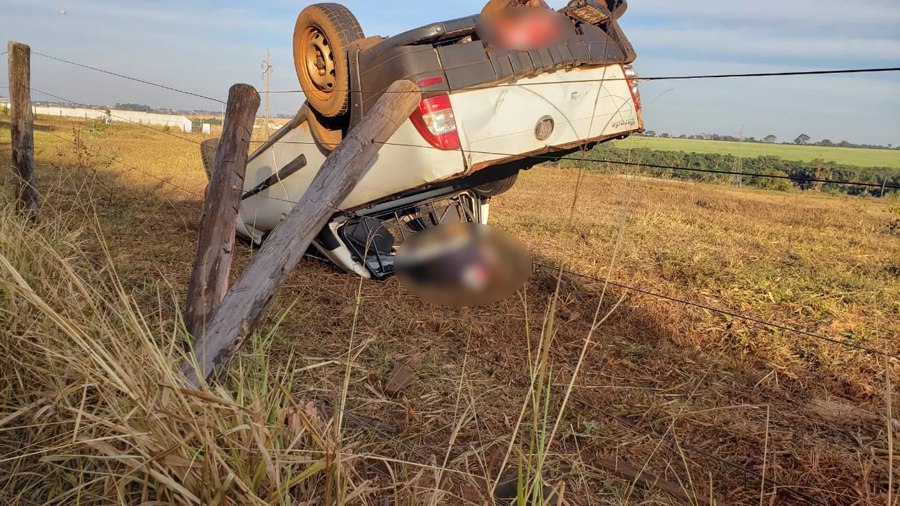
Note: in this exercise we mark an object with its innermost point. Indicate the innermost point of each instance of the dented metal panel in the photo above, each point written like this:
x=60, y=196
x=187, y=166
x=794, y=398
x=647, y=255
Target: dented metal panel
x=583, y=103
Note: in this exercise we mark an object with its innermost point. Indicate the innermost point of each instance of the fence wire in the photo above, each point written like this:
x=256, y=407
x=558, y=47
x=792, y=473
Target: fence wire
x=800, y=73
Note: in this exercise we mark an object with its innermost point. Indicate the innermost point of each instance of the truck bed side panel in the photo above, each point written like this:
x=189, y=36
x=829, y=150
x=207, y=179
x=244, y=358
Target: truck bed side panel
x=584, y=103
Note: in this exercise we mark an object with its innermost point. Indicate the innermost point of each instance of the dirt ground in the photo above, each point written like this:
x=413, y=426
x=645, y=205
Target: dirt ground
x=673, y=404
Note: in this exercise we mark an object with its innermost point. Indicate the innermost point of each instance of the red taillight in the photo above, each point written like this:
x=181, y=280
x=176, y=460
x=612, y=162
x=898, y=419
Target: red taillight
x=435, y=122
x=632, y=78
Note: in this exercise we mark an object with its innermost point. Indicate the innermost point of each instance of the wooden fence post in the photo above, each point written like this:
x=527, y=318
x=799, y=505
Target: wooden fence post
x=22, y=128
x=215, y=244
x=273, y=263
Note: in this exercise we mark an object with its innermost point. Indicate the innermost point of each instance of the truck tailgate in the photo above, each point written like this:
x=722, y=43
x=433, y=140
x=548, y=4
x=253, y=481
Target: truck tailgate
x=583, y=104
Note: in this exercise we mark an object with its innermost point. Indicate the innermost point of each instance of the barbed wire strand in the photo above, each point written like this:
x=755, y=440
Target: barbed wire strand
x=650, y=78
x=725, y=312
x=800, y=179
x=130, y=78
x=659, y=166
x=628, y=163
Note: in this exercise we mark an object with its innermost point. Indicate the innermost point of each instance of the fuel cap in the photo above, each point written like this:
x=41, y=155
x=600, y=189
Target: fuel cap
x=544, y=128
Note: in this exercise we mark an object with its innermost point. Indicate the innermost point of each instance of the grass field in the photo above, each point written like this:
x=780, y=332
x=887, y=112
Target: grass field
x=668, y=397
x=849, y=156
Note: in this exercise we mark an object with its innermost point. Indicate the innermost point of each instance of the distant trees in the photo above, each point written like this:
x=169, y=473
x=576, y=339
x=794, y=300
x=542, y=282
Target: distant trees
x=793, y=174
x=134, y=107
x=801, y=140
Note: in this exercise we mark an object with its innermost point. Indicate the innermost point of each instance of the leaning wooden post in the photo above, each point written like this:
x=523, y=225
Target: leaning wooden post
x=22, y=128
x=285, y=246
x=215, y=244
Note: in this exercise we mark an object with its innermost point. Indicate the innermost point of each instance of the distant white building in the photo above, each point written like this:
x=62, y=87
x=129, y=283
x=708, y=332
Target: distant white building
x=118, y=116
x=115, y=115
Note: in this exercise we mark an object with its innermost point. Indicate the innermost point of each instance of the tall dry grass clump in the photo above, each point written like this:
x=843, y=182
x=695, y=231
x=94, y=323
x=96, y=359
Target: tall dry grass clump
x=91, y=407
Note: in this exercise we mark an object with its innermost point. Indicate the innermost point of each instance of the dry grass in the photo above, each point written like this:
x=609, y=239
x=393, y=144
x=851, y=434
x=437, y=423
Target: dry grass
x=810, y=415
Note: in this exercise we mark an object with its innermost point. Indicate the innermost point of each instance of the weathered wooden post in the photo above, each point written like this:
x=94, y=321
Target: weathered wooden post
x=239, y=312
x=215, y=244
x=22, y=128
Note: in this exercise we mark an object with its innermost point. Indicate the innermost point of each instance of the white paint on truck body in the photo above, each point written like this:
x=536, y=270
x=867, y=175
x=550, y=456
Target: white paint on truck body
x=583, y=104
x=396, y=168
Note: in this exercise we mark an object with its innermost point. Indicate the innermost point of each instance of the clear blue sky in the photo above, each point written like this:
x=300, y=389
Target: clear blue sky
x=207, y=45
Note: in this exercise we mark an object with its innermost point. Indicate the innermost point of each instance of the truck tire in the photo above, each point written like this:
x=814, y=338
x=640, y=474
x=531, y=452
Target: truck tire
x=208, y=150
x=494, y=188
x=326, y=133
x=322, y=34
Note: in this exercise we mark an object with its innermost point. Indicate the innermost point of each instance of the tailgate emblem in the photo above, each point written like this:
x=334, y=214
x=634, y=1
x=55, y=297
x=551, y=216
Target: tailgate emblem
x=544, y=128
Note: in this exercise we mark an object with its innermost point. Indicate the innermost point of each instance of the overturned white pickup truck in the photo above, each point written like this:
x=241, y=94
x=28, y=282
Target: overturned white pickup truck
x=487, y=112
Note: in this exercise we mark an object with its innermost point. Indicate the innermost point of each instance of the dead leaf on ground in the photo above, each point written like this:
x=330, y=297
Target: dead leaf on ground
x=403, y=375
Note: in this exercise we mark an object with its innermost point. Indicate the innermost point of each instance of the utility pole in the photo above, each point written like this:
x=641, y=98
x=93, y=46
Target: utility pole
x=267, y=71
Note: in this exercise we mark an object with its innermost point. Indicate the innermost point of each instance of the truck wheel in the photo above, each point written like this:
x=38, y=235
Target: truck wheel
x=325, y=132
x=322, y=34
x=498, y=187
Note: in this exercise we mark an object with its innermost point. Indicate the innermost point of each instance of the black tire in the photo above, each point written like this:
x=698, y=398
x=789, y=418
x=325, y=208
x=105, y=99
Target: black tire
x=208, y=150
x=324, y=130
x=498, y=187
x=322, y=34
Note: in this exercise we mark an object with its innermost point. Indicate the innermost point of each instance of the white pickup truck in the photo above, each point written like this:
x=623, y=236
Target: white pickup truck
x=486, y=113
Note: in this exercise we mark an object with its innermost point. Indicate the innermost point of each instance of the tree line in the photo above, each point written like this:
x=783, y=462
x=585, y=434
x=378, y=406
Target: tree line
x=801, y=174
x=802, y=140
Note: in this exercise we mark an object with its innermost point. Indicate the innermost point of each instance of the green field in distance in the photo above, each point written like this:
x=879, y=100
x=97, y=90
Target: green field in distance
x=850, y=156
